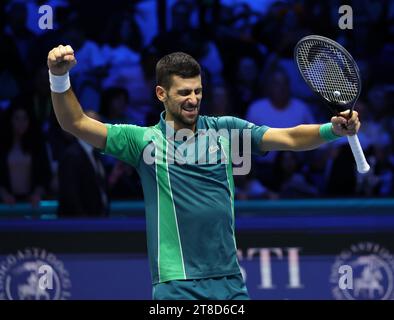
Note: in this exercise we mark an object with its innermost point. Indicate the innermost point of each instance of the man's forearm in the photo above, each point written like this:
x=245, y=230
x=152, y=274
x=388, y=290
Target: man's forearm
x=310, y=136
x=67, y=109
x=306, y=137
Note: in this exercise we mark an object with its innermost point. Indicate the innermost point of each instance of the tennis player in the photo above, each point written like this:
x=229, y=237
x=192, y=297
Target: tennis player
x=189, y=206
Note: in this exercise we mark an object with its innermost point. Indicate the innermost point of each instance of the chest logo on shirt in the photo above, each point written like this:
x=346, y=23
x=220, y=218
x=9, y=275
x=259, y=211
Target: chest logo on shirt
x=213, y=149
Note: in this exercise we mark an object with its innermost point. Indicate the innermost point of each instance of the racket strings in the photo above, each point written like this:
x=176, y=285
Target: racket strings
x=328, y=71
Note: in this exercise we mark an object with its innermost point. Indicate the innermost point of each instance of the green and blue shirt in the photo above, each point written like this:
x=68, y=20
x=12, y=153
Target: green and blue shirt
x=189, y=205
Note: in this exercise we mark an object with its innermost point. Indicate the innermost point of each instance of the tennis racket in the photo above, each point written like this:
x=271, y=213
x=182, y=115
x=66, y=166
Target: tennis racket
x=331, y=72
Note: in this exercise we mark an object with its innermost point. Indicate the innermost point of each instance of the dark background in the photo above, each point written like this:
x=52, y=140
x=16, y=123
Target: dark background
x=241, y=45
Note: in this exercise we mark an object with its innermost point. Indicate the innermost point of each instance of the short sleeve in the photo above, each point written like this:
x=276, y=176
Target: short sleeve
x=256, y=132
x=125, y=142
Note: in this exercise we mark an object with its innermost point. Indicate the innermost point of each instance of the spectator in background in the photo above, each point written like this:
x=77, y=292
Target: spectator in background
x=279, y=109
x=12, y=74
x=341, y=172
x=23, y=38
x=114, y=105
x=122, y=49
x=376, y=141
x=379, y=180
x=248, y=187
x=220, y=103
x=115, y=109
x=182, y=34
x=185, y=35
x=280, y=30
x=124, y=182
x=92, y=68
x=289, y=182
x=234, y=38
x=375, y=130
x=82, y=181
x=24, y=165
x=245, y=88
x=44, y=117
x=315, y=167
x=122, y=29
x=41, y=100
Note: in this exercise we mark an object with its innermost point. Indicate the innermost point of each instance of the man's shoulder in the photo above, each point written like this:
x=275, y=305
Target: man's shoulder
x=125, y=125
x=215, y=122
x=138, y=136
x=207, y=122
x=131, y=128
x=227, y=122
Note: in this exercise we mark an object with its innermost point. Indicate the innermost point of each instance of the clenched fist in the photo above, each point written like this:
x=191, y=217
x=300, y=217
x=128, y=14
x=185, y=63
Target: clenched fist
x=343, y=125
x=61, y=59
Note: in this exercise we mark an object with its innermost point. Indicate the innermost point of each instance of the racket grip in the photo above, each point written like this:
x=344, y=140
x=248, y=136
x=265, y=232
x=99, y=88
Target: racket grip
x=362, y=164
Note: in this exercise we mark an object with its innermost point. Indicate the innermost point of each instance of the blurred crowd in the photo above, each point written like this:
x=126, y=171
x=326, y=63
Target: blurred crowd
x=245, y=49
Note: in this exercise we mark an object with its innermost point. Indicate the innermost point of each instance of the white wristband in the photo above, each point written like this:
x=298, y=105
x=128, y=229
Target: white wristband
x=59, y=84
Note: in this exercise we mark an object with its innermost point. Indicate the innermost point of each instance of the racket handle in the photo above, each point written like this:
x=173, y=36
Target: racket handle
x=362, y=164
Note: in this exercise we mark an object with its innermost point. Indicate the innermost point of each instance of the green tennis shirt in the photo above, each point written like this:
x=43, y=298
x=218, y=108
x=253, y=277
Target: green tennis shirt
x=189, y=192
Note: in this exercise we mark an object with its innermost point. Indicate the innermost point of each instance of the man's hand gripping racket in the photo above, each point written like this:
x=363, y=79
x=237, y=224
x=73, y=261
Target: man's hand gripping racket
x=331, y=72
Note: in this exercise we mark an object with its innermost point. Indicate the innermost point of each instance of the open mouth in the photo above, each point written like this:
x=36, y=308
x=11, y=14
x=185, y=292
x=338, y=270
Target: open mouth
x=189, y=108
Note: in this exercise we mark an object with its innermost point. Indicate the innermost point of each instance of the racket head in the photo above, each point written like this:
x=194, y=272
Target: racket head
x=329, y=70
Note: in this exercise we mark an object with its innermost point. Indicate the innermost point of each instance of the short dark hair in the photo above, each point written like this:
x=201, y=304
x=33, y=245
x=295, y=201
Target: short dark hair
x=177, y=63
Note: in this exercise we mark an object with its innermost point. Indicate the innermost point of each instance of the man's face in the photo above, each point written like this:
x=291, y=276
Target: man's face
x=182, y=100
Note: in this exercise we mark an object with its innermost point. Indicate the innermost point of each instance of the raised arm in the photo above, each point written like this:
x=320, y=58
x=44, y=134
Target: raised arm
x=308, y=137
x=67, y=108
